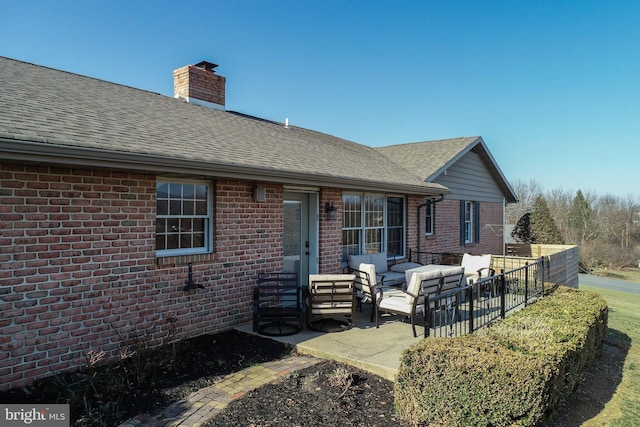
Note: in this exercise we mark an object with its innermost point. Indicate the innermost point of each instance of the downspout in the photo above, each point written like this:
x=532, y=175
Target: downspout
x=504, y=237
x=420, y=222
x=432, y=200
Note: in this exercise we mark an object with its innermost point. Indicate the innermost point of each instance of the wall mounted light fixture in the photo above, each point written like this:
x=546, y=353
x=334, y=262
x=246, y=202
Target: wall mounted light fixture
x=260, y=193
x=331, y=210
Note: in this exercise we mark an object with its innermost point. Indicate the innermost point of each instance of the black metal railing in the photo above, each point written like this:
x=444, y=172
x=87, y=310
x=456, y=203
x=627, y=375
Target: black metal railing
x=471, y=307
x=443, y=258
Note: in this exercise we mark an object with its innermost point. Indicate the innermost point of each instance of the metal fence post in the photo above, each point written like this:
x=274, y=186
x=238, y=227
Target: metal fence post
x=502, y=283
x=427, y=316
x=526, y=284
x=542, y=269
x=470, y=299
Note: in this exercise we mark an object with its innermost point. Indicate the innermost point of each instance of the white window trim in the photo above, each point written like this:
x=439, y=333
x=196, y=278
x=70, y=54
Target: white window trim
x=210, y=219
x=385, y=227
x=469, y=220
x=429, y=215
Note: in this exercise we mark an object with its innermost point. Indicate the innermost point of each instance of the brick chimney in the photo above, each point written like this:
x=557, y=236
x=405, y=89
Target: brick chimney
x=199, y=84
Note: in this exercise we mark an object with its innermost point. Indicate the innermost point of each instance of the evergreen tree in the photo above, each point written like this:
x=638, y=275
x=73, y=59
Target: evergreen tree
x=543, y=228
x=522, y=230
x=580, y=220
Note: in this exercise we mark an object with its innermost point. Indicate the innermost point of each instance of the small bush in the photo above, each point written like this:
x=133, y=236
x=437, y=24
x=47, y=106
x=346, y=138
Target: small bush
x=517, y=372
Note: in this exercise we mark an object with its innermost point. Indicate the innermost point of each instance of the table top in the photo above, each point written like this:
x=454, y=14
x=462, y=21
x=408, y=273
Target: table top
x=429, y=267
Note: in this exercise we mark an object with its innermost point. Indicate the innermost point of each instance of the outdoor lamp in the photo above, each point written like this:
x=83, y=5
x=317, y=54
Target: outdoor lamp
x=330, y=210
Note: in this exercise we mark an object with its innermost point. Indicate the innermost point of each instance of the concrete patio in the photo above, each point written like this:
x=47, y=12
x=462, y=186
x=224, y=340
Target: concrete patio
x=363, y=346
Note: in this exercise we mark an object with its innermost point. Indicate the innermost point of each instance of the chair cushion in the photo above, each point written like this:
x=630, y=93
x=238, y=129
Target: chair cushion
x=396, y=305
x=413, y=288
x=404, y=266
x=473, y=263
x=380, y=261
x=368, y=285
x=453, y=270
x=356, y=260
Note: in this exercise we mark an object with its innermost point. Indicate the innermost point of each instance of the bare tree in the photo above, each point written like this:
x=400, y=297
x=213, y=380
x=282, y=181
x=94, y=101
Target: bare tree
x=606, y=227
x=616, y=217
x=559, y=202
x=527, y=193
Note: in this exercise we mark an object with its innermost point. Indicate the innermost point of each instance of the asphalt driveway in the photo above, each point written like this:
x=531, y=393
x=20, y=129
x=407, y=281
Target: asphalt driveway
x=609, y=283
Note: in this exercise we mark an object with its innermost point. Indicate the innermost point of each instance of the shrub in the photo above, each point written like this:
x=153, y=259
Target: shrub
x=517, y=372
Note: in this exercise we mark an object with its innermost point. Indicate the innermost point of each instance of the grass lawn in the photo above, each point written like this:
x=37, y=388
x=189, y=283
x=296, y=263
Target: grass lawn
x=624, y=328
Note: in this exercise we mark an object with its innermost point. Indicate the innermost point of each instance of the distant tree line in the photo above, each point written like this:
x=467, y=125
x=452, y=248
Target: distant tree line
x=605, y=227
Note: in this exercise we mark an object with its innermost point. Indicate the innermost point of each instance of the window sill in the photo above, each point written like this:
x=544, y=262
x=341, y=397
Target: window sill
x=184, y=259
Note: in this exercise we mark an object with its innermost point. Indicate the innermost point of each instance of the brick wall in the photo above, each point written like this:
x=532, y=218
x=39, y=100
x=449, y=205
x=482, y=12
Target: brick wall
x=78, y=270
x=330, y=256
x=447, y=230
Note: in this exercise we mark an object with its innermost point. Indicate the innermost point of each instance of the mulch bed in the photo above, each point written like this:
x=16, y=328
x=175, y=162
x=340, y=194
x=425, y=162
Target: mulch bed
x=149, y=380
x=326, y=394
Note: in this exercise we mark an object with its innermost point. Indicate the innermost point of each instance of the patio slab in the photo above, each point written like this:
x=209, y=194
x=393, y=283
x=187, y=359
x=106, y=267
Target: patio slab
x=363, y=346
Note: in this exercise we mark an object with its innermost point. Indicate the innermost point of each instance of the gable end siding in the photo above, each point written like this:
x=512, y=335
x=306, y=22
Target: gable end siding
x=469, y=179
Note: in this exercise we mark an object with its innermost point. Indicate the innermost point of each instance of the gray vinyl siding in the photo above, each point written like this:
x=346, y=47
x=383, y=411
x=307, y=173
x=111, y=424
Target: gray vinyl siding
x=469, y=179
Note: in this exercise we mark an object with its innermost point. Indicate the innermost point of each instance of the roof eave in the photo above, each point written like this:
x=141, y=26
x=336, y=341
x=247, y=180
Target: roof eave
x=27, y=151
x=509, y=194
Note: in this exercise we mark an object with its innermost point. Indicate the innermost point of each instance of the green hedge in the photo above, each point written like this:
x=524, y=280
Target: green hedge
x=517, y=372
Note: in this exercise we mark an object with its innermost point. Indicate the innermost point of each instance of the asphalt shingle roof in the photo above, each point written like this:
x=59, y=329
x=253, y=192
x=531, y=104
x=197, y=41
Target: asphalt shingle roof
x=426, y=159
x=42, y=109
x=429, y=159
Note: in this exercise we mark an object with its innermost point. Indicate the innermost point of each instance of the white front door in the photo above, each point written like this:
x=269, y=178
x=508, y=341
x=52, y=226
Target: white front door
x=300, y=235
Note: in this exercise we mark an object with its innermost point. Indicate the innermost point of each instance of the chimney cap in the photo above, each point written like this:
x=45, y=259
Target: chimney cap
x=209, y=66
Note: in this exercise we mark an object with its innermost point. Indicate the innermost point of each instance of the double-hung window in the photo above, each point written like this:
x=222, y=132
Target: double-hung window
x=469, y=222
x=373, y=223
x=429, y=219
x=184, y=217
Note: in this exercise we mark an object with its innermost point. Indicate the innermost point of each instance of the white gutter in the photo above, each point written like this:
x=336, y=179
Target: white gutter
x=86, y=157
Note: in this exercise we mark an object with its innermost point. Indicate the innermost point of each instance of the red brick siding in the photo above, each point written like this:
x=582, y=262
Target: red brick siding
x=446, y=236
x=412, y=222
x=330, y=253
x=78, y=270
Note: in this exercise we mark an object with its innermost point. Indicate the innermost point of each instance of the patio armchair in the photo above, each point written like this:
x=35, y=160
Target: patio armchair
x=451, y=290
x=410, y=301
x=476, y=267
x=382, y=271
x=366, y=286
x=277, y=304
x=452, y=278
x=330, y=298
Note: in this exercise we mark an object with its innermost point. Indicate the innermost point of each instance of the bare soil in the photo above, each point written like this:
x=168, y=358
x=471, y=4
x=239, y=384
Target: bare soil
x=326, y=394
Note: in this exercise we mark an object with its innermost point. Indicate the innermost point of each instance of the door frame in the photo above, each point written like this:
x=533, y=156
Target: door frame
x=310, y=200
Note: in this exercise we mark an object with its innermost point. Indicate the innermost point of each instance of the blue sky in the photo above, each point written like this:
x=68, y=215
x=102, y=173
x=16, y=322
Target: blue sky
x=553, y=87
